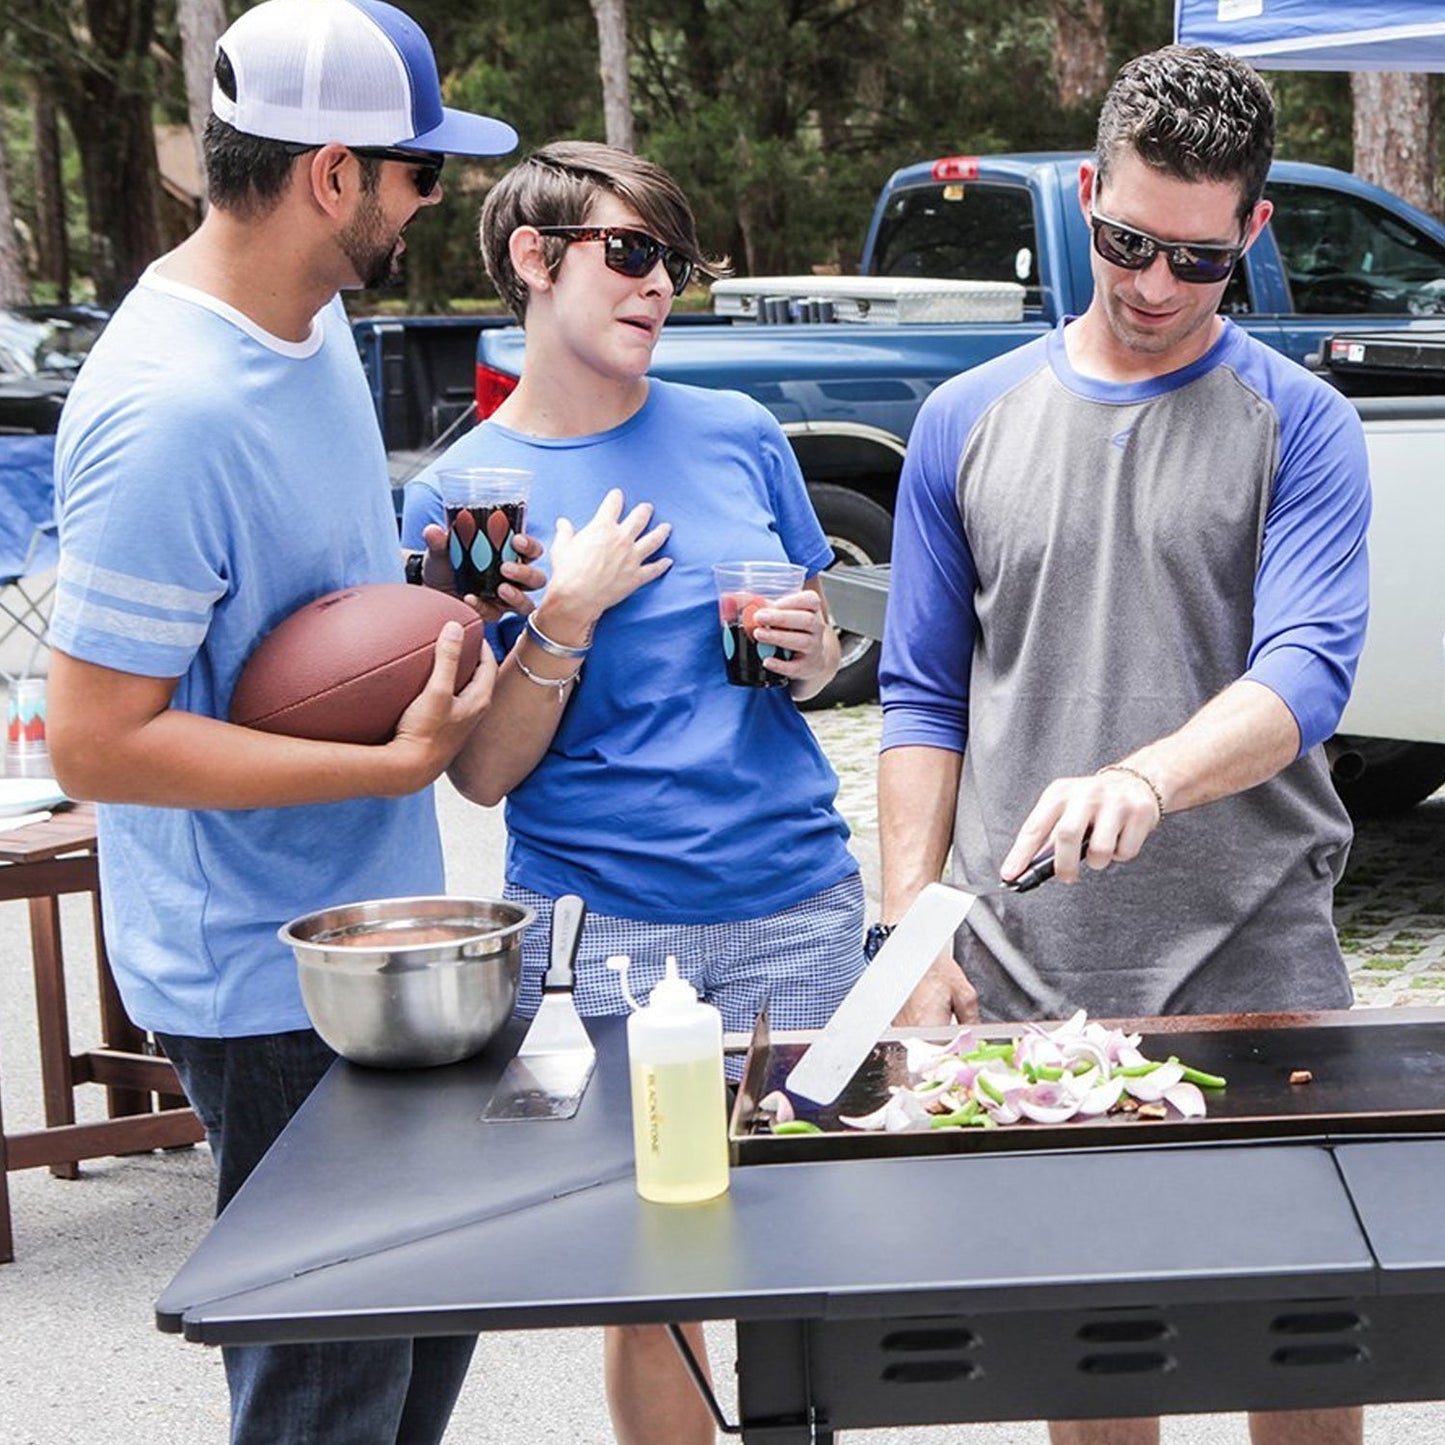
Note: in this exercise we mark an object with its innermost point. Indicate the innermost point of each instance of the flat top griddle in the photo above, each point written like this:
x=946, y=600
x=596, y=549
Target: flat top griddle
x=1373, y=1072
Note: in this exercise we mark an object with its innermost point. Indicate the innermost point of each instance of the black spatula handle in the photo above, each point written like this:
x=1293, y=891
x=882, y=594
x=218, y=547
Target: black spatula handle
x=1041, y=869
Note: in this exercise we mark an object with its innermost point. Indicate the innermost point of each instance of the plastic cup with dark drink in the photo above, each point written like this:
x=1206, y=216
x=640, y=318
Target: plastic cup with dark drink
x=486, y=508
x=743, y=589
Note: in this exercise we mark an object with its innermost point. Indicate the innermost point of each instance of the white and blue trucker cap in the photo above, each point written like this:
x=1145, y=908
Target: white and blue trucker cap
x=359, y=72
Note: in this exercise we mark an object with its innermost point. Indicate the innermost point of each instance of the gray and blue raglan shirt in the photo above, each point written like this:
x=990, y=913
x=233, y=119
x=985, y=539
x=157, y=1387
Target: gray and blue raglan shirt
x=1078, y=567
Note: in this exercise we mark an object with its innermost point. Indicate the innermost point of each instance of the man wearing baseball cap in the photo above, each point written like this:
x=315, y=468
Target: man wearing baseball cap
x=219, y=464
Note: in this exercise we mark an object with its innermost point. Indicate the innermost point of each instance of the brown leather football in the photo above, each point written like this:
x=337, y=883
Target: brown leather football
x=344, y=667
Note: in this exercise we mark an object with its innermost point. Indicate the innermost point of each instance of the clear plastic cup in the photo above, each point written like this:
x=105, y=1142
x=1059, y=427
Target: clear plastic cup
x=486, y=507
x=743, y=588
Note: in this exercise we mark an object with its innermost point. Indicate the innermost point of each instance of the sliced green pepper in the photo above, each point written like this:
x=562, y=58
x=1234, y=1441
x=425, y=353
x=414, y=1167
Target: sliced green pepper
x=959, y=1119
x=1205, y=1081
x=1137, y=1071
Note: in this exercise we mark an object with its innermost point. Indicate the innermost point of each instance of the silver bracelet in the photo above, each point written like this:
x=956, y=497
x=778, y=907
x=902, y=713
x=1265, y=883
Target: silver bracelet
x=557, y=649
x=1143, y=778
x=559, y=683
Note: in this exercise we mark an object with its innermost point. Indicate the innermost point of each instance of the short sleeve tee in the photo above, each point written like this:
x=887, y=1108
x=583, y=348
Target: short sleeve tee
x=211, y=479
x=668, y=794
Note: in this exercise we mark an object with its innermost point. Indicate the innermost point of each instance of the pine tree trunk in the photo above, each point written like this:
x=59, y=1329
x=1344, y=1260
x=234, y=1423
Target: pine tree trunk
x=108, y=105
x=52, y=244
x=201, y=24
x=14, y=287
x=1081, y=53
x=1396, y=131
x=122, y=184
x=611, y=17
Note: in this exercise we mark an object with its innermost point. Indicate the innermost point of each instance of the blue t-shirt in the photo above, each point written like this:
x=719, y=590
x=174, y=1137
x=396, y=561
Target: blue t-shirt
x=211, y=479
x=668, y=794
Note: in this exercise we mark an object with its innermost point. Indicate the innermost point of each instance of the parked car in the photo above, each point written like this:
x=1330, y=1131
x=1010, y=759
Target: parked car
x=41, y=349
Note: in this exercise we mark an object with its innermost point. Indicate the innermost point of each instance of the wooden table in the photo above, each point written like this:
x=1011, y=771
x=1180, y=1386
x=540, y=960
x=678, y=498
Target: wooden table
x=146, y=1109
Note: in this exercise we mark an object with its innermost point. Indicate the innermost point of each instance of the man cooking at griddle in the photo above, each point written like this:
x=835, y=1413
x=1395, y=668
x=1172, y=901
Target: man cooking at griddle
x=1128, y=596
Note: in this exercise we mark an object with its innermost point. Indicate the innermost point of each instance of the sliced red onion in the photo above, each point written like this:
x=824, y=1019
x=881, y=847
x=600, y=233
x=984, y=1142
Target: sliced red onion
x=1151, y=1087
x=963, y=1042
x=920, y=1055
x=870, y=1122
x=905, y=1111
x=1187, y=1098
x=779, y=1105
x=1008, y=1112
x=1046, y=1104
x=1101, y=1097
x=1038, y=1050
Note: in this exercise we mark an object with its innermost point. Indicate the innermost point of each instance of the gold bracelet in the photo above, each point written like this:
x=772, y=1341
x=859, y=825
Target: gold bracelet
x=559, y=683
x=1143, y=778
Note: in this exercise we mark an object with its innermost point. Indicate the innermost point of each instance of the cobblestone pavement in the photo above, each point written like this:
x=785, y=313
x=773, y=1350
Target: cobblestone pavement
x=1389, y=907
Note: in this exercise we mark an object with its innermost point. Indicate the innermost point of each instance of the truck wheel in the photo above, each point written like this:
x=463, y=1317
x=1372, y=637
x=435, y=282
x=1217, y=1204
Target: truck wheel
x=861, y=533
x=1378, y=777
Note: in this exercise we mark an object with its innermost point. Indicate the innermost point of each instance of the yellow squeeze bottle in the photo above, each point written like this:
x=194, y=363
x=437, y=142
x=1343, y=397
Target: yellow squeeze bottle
x=679, y=1102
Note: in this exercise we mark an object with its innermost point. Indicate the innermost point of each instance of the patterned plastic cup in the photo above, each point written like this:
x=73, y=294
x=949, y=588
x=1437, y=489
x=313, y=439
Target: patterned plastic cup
x=743, y=588
x=486, y=507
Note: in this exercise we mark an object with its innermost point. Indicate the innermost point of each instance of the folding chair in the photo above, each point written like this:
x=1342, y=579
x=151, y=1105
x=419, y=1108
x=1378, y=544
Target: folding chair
x=29, y=548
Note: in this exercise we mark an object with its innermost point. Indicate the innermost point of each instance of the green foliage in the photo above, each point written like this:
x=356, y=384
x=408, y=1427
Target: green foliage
x=1314, y=110
x=781, y=118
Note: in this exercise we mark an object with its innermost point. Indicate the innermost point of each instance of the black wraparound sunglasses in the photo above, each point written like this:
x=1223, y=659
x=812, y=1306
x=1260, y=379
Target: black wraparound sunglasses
x=1199, y=265
x=631, y=252
x=426, y=166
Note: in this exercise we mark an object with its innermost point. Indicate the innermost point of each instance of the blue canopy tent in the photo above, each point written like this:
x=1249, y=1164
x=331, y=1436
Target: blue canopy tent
x=1319, y=34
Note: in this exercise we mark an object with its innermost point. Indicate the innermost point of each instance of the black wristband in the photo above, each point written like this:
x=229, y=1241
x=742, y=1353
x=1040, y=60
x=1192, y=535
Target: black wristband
x=874, y=939
x=415, y=561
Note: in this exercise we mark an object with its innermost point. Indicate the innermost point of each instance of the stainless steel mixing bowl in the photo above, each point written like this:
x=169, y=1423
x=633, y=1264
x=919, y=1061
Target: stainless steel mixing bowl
x=403, y=983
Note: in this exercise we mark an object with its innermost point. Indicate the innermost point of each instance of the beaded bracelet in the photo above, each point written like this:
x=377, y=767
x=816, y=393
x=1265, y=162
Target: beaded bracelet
x=1143, y=778
x=559, y=683
x=557, y=649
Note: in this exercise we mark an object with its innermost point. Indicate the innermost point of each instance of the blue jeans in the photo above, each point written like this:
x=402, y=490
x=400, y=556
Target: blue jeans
x=374, y=1392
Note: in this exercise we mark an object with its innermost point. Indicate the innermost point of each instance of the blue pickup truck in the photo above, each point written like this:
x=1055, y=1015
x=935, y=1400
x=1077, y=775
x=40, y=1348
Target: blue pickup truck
x=844, y=370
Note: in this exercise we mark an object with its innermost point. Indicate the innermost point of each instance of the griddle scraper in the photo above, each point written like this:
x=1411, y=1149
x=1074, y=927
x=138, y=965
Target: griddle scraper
x=548, y=1076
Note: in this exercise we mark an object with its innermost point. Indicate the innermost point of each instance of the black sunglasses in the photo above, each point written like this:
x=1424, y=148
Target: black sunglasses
x=426, y=166
x=1199, y=265
x=631, y=252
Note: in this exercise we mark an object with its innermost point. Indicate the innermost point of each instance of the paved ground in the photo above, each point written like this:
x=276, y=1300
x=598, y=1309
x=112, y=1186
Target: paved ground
x=81, y=1364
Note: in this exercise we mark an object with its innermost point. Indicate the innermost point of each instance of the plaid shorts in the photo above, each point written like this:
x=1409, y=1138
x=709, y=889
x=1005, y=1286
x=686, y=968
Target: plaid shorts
x=800, y=961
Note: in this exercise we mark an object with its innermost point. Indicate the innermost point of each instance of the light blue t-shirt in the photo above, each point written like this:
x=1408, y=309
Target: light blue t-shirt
x=210, y=479
x=668, y=794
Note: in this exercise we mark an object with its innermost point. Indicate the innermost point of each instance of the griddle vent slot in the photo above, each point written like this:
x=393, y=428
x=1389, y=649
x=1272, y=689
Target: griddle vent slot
x=1332, y=1352
x=1318, y=1322
x=930, y=1372
x=1124, y=1332
x=930, y=1340
x=1128, y=1362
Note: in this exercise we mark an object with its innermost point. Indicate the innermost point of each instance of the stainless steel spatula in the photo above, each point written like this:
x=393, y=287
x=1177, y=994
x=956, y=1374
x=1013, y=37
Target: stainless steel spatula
x=548, y=1076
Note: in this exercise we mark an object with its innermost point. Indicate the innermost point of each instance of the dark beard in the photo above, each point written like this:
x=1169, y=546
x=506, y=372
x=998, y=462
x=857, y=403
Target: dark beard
x=372, y=253
x=385, y=271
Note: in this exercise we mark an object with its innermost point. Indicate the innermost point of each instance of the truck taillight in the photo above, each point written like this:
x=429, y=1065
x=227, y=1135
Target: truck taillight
x=493, y=388
x=956, y=168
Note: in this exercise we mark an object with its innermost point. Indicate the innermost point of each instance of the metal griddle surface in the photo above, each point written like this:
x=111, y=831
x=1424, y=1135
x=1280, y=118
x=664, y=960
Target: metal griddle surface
x=1375, y=1072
